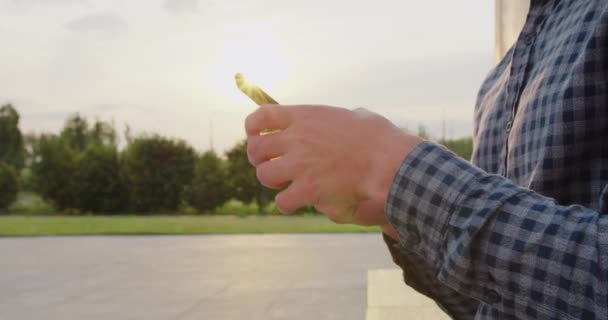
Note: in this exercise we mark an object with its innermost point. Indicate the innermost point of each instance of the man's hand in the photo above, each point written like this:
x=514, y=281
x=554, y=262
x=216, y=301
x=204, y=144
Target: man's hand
x=341, y=162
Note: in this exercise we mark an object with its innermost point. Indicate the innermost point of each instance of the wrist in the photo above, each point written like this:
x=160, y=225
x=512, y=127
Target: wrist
x=387, y=162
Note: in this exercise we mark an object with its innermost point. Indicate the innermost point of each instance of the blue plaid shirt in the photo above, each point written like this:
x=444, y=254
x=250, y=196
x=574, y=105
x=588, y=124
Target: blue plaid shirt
x=522, y=232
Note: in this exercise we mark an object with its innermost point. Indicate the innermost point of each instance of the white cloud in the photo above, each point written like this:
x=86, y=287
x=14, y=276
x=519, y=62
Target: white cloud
x=105, y=22
x=181, y=6
x=24, y=3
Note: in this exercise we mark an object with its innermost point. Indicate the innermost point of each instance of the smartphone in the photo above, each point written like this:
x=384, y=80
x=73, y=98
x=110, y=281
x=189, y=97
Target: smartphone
x=254, y=92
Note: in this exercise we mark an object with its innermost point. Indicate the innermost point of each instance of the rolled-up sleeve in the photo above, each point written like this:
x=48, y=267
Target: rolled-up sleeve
x=498, y=244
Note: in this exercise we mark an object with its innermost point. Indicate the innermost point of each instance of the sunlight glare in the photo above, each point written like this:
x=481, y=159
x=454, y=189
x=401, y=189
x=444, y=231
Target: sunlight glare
x=253, y=51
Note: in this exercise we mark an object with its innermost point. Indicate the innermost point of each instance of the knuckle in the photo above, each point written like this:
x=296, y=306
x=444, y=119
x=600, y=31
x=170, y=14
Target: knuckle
x=263, y=175
x=266, y=177
x=264, y=115
x=253, y=150
x=282, y=202
x=255, y=121
x=259, y=174
x=250, y=122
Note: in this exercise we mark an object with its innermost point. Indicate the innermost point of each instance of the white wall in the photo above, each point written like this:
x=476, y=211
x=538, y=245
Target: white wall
x=510, y=18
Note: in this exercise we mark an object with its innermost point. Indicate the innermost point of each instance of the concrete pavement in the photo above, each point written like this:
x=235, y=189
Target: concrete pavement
x=188, y=277
x=389, y=299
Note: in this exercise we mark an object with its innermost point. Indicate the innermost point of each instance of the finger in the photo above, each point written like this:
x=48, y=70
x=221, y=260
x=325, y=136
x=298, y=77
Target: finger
x=276, y=173
x=298, y=195
x=262, y=148
x=271, y=117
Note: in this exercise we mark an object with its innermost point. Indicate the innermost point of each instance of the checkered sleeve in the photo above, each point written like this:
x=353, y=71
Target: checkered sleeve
x=504, y=246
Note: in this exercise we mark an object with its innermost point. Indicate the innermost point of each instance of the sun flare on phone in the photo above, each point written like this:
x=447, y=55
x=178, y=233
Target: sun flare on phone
x=255, y=93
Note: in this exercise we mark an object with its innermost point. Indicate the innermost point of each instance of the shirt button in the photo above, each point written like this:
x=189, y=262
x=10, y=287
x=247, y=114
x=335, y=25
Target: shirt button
x=414, y=237
x=492, y=296
x=509, y=125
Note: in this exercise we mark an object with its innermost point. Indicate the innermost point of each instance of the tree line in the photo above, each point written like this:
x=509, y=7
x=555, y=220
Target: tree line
x=81, y=169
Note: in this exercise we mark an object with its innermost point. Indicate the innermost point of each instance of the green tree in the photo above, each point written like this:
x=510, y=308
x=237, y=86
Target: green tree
x=98, y=182
x=157, y=171
x=209, y=188
x=78, y=135
x=12, y=150
x=75, y=133
x=53, y=169
x=244, y=184
x=9, y=186
x=103, y=134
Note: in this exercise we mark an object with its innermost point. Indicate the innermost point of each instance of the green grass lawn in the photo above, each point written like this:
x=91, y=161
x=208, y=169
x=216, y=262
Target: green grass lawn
x=166, y=225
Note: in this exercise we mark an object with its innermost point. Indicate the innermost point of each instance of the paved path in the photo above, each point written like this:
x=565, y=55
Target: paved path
x=188, y=277
x=389, y=299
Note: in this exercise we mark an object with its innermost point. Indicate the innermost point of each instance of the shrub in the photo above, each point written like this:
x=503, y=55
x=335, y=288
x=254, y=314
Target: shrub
x=157, y=172
x=9, y=186
x=98, y=181
x=53, y=167
x=209, y=188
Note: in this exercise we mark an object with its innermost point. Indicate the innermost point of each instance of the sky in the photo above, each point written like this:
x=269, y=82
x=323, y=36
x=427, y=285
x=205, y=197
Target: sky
x=167, y=66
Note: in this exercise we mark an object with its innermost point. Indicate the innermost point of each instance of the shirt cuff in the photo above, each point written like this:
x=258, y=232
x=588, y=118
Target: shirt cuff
x=423, y=196
x=411, y=276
